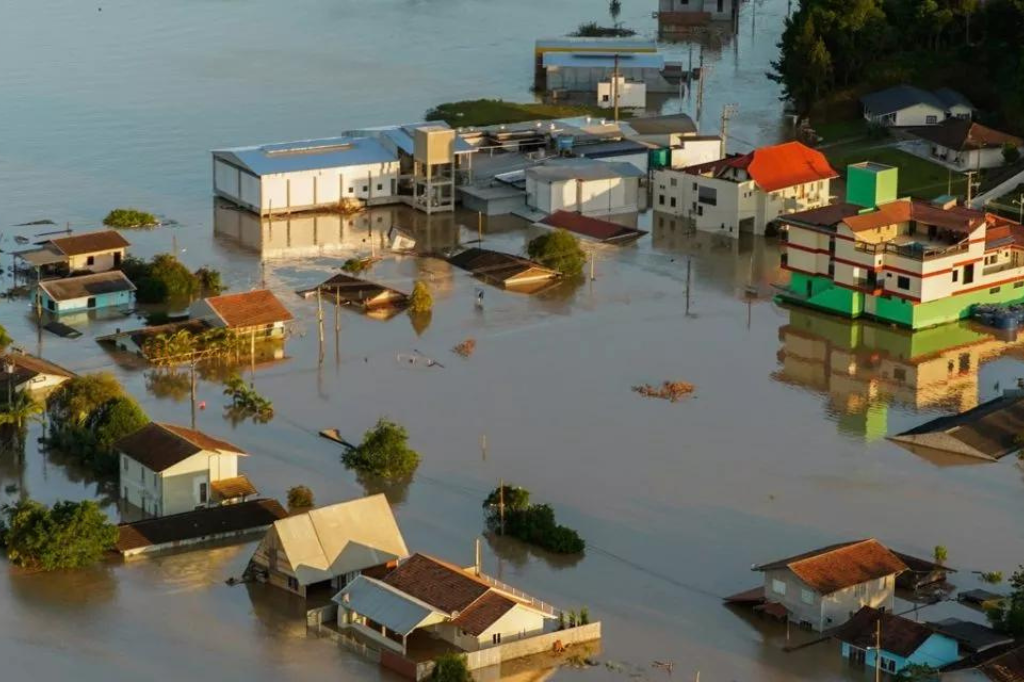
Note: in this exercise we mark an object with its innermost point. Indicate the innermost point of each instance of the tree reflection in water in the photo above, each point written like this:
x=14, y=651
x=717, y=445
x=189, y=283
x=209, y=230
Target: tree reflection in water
x=519, y=553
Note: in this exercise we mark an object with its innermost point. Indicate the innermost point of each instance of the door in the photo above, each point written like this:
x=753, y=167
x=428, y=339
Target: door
x=117, y=259
x=91, y=303
x=969, y=273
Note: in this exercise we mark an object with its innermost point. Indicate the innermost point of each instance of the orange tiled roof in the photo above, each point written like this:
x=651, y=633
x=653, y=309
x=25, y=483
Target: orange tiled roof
x=90, y=242
x=784, y=165
x=837, y=567
x=249, y=309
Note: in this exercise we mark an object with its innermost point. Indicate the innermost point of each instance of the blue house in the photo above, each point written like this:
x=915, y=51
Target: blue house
x=898, y=642
x=88, y=292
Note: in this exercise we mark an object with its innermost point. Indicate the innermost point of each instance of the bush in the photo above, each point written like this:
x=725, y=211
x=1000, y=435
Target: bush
x=166, y=279
x=532, y=523
x=354, y=266
x=1011, y=154
x=209, y=282
x=384, y=452
x=421, y=300
x=5, y=338
x=130, y=217
x=300, y=496
x=558, y=250
x=451, y=667
x=1008, y=615
x=246, y=402
x=70, y=535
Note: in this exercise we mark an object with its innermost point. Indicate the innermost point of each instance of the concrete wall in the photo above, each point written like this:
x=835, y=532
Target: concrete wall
x=631, y=95
x=591, y=197
x=139, y=486
x=114, y=300
x=916, y=115
x=532, y=645
x=102, y=261
x=693, y=152
x=325, y=187
x=836, y=608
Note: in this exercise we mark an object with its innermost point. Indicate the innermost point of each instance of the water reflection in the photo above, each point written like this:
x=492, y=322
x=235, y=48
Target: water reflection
x=865, y=369
x=63, y=592
x=519, y=553
x=395, y=490
x=106, y=493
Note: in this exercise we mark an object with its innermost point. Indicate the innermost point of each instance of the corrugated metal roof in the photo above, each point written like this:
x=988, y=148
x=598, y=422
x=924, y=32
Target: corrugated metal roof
x=599, y=60
x=342, y=538
x=584, y=169
x=383, y=604
x=70, y=288
x=290, y=157
x=610, y=44
x=402, y=137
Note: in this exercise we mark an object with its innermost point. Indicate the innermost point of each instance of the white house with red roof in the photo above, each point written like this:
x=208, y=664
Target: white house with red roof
x=744, y=193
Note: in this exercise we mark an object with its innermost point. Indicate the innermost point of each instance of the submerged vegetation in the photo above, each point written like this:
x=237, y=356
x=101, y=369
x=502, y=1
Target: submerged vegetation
x=354, y=266
x=165, y=279
x=421, y=300
x=532, y=523
x=487, y=112
x=673, y=391
x=384, y=452
x=592, y=29
x=558, y=250
x=182, y=345
x=451, y=667
x=300, y=497
x=246, y=402
x=1008, y=615
x=125, y=218
x=68, y=535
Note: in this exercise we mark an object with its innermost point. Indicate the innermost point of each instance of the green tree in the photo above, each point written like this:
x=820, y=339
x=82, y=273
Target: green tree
x=1008, y=615
x=918, y=672
x=173, y=277
x=421, y=300
x=451, y=667
x=300, y=496
x=804, y=68
x=515, y=498
x=940, y=554
x=208, y=282
x=5, y=339
x=558, y=250
x=1011, y=154
x=69, y=535
x=384, y=452
x=22, y=409
x=531, y=523
x=130, y=217
x=111, y=422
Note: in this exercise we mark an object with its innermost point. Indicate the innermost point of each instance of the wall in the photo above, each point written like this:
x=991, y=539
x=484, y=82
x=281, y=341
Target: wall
x=533, y=645
x=631, y=95
x=139, y=486
x=114, y=300
x=693, y=152
x=836, y=608
x=519, y=623
x=304, y=190
x=918, y=114
x=792, y=598
x=181, y=481
x=103, y=261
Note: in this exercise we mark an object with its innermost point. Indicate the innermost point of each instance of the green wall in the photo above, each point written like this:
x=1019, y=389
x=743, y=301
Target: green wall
x=871, y=184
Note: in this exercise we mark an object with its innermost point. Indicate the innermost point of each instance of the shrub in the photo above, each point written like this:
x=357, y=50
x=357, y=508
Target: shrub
x=558, y=250
x=451, y=667
x=1008, y=615
x=384, y=452
x=5, y=338
x=209, y=282
x=70, y=535
x=992, y=577
x=532, y=523
x=1011, y=154
x=130, y=217
x=246, y=402
x=421, y=300
x=355, y=266
x=300, y=496
x=940, y=554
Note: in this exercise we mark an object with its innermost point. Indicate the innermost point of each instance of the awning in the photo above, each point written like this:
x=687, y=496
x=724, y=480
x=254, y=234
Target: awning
x=387, y=606
x=41, y=257
x=230, y=488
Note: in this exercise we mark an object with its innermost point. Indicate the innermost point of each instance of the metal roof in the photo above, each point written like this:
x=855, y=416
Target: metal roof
x=597, y=60
x=584, y=169
x=71, y=288
x=386, y=605
x=900, y=97
x=47, y=255
x=402, y=137
x=610, y=44
x=302, y=155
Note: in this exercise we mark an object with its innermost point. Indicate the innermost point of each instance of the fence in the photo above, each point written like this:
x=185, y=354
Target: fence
x=315, y=618
x=536, y=603
x=532, y=645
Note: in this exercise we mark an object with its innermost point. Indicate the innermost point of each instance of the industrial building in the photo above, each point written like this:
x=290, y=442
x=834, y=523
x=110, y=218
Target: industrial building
x=580, y=64
x=583, y=185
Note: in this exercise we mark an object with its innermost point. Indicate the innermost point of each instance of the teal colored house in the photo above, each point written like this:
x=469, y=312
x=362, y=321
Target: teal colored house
x=88, y=292
x=898, y=641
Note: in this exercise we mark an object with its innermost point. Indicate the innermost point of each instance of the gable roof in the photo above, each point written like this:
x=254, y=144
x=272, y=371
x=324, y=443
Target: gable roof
x=360, y=291
x=483, y=613
x=341, y=538
x=71, y=288
x=987, y=431
x=249, y=308
x=839, y=566
x=438, y=583
x=955, y=218
x=385, y=605
x=951, y=98
x=498, y=266
x=595, y=228
x=823, y=217
x=899, y=635
x=785, y=165
x=199, y=523
x=28, y=367
x=973, y=636
x=289, y=157
x=962, y=134
x=900, y=97
x=160, y=446
x=89, y=242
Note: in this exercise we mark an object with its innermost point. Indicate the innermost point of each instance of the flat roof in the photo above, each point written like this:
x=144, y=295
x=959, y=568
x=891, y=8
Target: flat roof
x=584, y=169
x=70, y=288
x=582, y=43
x=209, y=522
x=607, y=61
x=301, y=155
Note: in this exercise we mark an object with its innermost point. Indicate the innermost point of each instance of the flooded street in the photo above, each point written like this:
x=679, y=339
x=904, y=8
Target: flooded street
x=780, y=450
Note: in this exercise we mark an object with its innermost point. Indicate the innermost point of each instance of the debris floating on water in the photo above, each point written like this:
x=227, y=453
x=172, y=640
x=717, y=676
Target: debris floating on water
x=465, y=348
x=672, y=391
x=45, y=221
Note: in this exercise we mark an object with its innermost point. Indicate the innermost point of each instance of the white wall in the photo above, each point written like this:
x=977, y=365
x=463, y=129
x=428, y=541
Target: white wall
x=631, y=95
x=693, y=152
x=102, y=261
x=139, y=486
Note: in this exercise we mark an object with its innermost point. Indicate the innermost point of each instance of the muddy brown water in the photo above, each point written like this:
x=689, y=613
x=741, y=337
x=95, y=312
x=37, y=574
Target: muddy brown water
x=778, y=451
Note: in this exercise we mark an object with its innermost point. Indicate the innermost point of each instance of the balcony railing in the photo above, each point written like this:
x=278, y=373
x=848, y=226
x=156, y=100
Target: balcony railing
x=918, y=251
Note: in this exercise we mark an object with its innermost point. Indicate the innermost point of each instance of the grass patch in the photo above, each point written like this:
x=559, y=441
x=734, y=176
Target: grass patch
x=487, y=112
x=125, y=218
x=845, y=129
x=918, y=177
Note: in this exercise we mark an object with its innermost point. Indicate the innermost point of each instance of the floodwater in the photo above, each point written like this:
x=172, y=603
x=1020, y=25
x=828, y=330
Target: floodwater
x=780, y=450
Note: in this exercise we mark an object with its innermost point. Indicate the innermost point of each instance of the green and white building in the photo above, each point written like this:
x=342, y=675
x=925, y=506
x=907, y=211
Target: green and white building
x=903, y=261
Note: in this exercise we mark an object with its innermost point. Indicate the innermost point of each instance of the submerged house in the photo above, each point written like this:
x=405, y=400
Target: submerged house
x=329, y=547
x=823, y=588
x=20, y=371
x=359, y=293
x=988, y=432
x=595, y=229
x=504, y=269
x=167, y=469
x=897, y=642
x=1004, y=664
x=99, y=251
x=85, y=292
x=905, y=261
x=258, y=312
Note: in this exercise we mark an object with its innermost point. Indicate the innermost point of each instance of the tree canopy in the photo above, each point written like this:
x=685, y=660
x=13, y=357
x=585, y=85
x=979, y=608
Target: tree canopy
x=69, y=535
x=1008, y=616
x=5, y=339
x=421, y=300
x=451, y=667
x=384, y=452
x=300, y=496
x=166, y=279
x=532, y=523
x=558, y=250
x=130, y=217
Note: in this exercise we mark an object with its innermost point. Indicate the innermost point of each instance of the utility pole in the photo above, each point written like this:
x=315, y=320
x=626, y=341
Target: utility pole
x=501, y=504
x=480, y=227
x=727, y=111
x=878, y=649
x=689, y=264
x=592, y=277
x=192, y=386
x=970, y=186
x=483, y=447
x=700, y=86
x=320, y=322
x=615, y=87
x=1020, y=206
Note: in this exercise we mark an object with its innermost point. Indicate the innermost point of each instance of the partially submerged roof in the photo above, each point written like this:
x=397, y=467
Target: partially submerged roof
x=663, y=125
x=1000, y=664
x=352, y=290
x=594, y=228
x=578, y=43
x=290, y=157
x=586, y=60
x=973, y=636
x=341, y=538
x=84, y=286
x=43, y=256
x=201, y=523
x=899, y=635
x=503, y=268
x=583, y=169
x=988, y=431
x=160, y=446
x=919, y=565
x=28, y=367
x=442, y=585
x=89, y=242
x=839, y=566
x=900, y=97
x=383, y=604
x=249, y=309
x=962, y=134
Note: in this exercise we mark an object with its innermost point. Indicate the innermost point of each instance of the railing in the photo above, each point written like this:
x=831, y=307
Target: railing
x=533, y=601
x=993, y=269
x=865, y=247
x=919, y=252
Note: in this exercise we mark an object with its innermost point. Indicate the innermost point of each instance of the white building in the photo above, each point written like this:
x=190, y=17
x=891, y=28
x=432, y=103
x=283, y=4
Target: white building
x=20, y=371
x=744, y=193
x=299, y=176
x=693, y=150
x=630, y=95
x=906, y=105
x=965, y=145
x=695, y=11
x=583, y=185
x=167, y=469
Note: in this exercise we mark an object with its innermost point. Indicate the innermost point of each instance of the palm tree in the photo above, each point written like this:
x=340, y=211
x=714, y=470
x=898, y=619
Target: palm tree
x=22, y=409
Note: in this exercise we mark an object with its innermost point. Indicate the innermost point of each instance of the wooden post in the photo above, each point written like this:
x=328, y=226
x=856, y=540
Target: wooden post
x=480, y=227
x=320, y=322
x=192, y=387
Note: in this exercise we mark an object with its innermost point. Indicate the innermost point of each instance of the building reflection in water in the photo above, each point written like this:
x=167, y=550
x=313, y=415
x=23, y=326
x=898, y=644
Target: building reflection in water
x=865, y=369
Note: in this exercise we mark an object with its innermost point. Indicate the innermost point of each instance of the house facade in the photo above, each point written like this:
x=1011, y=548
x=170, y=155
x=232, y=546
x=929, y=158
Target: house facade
x=695, y=11
x=874, y=637
x=906, y=105
x=742, y=194
x=85, y=292
x=966, y=145
x=824, y=588
x=20, y=371
x=903, y=261
x=99, y=251
x=167, y=469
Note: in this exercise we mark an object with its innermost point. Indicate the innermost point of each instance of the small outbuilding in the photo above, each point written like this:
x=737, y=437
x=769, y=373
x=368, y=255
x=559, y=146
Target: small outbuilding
x=973, y=637
x=920, y=572
x=359, y=293
x=897, y=642
x=583, y=185
x=86, y=292
x=20, y=371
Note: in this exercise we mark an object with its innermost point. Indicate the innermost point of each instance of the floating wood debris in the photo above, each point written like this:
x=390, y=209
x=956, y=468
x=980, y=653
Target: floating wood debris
x=672, y=391
x=465, y=348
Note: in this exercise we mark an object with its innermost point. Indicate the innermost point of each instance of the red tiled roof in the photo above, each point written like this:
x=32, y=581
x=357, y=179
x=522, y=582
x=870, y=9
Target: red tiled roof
x=438, y=583
x=483, y=613
x=249, y=309
x=886, y=214
x=900, y=636
x=788, y=164
x=90, y=242
x=837, y=567
x=963, y=134
x=956, y=218
x=601, y=230
x=823, y=216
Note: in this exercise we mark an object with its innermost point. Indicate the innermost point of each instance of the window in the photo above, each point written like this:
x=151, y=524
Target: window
x=931, y=120
x=496, y=638
x=142, y=476
x=784, y=259
x=695, y=187
x=365, y=189
x=956, y=275
x=969, y=273
x=379, y=187
x=721, y=6
x=661, y=200
x=994, y=290
x=673, y=182
x=125, y=460
x=708, y=195
x=293, y=584
x=700, y=210
x=1018, y=285
x=902, y=282
x=806, y=596
x=91, y=260
x=604, y=98
x=899, y=374
x=778, y=587
x=351, y=190
x=202, y=493
x=672, y=202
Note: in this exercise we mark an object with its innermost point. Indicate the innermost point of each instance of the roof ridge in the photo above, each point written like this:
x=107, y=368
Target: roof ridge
x=830, y=550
